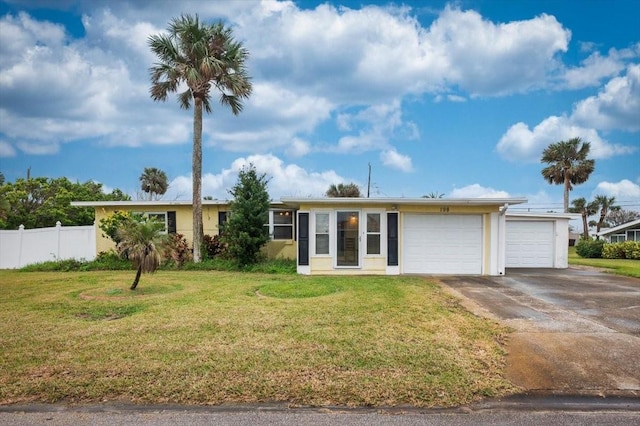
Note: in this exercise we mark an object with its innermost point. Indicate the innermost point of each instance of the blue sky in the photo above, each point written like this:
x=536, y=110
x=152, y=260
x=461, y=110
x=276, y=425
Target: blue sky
x=451, y=97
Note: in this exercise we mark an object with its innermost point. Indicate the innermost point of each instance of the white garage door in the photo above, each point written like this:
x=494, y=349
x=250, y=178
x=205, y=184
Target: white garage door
x=442, y=244
x=529, y=244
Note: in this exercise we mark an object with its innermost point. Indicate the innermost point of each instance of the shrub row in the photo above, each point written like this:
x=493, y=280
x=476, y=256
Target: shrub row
x=623, y=250
x=593, y=249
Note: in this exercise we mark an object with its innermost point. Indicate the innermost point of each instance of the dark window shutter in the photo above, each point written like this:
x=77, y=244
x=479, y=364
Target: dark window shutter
x=171, y=222
x=392, y=239
x=222, y=218
x=303, y=239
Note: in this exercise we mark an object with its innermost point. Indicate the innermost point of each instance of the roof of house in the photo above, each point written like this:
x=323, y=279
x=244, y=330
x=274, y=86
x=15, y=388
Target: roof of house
x=295, y=202
x=619, y=228
x=517, y=214
x=153, y=203
x=404, y=201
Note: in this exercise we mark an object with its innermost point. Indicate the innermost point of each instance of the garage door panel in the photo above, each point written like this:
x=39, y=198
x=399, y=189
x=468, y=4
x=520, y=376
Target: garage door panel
x=439, y=244
x=530, y=244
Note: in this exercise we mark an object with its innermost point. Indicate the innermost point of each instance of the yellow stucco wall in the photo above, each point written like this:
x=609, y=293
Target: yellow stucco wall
x=184, y=226
x=370, y=266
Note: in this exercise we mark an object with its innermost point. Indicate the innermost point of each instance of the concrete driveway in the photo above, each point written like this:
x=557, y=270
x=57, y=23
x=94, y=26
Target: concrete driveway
x=576, y=330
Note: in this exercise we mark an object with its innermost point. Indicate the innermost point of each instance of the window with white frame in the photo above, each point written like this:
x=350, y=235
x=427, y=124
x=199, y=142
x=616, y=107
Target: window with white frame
x=617, y=238
x=633, y=235
x=373, y=233
x=322, y=233
x=160, y=217
x=280, y=224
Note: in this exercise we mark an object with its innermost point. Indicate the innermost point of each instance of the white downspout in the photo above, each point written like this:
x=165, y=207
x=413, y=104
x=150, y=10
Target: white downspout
x=502, y=240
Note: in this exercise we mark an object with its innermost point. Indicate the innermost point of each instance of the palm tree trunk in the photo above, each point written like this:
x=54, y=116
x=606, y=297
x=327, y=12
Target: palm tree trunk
x=567, y=186
x=603, y=216
x=137, y=279
x=197, y=178
x=585, y=225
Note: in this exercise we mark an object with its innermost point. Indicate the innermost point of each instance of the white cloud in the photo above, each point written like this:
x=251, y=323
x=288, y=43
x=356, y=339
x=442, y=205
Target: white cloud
x=6, y=149
x=298, y=148
x=284, y=179
x=597, y=67
x=477, y=191
x=391, y=158
x=622, y=190
x=615, y=107
x=520, y=143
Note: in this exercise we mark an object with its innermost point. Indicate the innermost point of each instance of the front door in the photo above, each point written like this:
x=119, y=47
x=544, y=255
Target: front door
x=348, y=239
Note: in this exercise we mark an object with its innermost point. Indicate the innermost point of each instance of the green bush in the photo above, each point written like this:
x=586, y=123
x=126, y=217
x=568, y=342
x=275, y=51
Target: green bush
x=589, y=248
x=623, y=250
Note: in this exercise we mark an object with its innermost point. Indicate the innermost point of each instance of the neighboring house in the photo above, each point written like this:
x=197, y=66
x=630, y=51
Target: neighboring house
x=629, y=231
x=386, y=236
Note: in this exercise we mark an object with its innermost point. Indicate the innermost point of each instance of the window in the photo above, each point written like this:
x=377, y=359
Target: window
x=618, y=238
x=282, y=225
x=373, y=233
x=222, y=219
x=633, y=235
x=158, y=216
x=322, y=233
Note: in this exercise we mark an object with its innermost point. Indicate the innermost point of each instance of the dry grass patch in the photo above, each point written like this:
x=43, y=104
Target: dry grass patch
x=212, y=338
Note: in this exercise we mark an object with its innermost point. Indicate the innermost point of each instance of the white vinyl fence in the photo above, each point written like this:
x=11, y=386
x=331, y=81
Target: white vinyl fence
x=26, y=246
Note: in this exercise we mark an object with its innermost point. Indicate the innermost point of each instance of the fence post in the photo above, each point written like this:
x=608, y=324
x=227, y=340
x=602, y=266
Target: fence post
x=58, y=229
x=20, y=235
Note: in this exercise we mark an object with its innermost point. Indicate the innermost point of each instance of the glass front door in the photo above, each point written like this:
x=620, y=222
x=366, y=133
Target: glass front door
x=348, y=238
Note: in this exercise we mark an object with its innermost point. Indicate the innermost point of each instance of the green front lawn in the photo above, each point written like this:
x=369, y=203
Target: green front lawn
x=199, y=337
x=630, y=268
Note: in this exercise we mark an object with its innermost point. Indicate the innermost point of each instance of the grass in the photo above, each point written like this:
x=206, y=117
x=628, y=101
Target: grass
x=202, y=337
x=627, y=267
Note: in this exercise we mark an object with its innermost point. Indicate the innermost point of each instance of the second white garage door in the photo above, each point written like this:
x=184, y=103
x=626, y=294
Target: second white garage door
x=529, y=244
x=442, y=244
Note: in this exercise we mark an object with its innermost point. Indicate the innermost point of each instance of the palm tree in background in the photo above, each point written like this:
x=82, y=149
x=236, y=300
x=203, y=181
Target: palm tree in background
x=433, y=195
x=140, y=241
x=154, y=182
x=605, y=204
x=342, y=190
x=201, y=56
x=568, y=165
x=580, y=205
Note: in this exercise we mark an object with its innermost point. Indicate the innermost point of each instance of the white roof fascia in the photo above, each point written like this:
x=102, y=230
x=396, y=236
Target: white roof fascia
x=620, y=227
x=405, y=201
x=570, y=216
x=156, y=203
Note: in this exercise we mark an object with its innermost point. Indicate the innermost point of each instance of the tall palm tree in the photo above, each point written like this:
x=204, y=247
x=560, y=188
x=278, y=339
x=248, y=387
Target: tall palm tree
x=568, y=165
x=342, y=190
x=140, y=241
x=201, y=56
x=605, y=204
x=154, y=182
x=581, y=206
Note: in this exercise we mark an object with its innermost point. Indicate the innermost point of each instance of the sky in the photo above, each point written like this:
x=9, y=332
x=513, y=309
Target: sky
x=455, y=98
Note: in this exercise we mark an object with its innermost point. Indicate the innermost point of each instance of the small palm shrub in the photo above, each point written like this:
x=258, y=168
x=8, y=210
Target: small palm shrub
x=588, y=248
x=623, y=250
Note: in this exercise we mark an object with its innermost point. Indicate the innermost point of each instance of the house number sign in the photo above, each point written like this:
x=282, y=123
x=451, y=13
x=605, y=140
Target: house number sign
x=444, y=209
